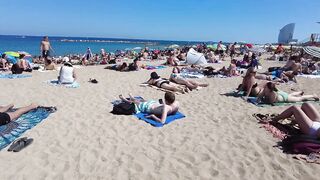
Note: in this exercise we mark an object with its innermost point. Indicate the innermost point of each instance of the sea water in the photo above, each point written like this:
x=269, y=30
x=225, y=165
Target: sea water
x=78, y=45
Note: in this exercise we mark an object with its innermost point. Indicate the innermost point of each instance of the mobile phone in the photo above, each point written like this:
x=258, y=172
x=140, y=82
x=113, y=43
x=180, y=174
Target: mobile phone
x=160, y=101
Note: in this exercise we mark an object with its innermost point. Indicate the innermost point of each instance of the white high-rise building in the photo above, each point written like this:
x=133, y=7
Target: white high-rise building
x=286, y=34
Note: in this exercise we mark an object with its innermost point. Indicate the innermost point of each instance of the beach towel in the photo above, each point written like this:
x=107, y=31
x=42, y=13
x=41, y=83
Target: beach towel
x=191, y=75
x=253, y=100
x=142, y=116
x=310, y=76
x=149, y=67
x=56, y=83
x=13, y=130
x=14, y=76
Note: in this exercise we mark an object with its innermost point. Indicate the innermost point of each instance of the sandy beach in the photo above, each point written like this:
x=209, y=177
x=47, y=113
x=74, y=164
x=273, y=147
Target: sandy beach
x=218, y=139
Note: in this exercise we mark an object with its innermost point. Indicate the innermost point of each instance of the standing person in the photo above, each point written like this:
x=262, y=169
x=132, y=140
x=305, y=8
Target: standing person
x=88, y=54
x=220, y=50
x=279, y=49
x=45, y=48
x=233, y=50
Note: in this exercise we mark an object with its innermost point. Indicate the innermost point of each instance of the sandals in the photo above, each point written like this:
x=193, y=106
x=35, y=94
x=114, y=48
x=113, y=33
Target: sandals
x=94, y=81
x=19, y=144
x=50, y=109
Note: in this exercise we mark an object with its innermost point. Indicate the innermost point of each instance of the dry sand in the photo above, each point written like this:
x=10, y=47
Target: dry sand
x=219, y=138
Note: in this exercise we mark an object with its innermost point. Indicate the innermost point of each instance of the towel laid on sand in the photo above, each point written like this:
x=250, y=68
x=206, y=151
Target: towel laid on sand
x=56, y=83
x=13, y=130
x=142, y=116
x=311, y=76
x=14, y=76
x=253, y=100
x=154, y=67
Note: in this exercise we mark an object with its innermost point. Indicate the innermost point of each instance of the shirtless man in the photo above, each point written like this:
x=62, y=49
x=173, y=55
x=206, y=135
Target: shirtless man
x=45, y=48
x=156, y=110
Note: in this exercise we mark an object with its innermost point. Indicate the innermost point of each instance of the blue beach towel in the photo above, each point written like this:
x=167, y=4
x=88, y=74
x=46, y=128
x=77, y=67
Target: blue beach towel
x=13, y=130
x=14, y=76
x=56, y=83
x=142, y=116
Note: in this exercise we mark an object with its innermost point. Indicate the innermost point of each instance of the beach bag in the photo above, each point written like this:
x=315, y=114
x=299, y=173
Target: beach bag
x=300, y=144
x=124, y=108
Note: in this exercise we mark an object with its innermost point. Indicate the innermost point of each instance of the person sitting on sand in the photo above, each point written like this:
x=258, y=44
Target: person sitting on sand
x=67, y=74
x=24, y=64
x=6, y=116
x=271, y=94
x=135, y=65
x=50, y=64
x=156, y=110
x=231, y=70
x=249, y=85
x=118, y=67
x=172, y=60
x=176, y=78
x=155, y=80
x=306, y=116
x=3, y=62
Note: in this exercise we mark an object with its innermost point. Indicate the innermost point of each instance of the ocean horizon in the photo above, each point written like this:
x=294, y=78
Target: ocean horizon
x=64, y=45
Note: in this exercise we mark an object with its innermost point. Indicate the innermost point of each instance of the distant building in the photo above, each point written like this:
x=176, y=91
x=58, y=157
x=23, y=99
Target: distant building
x=286, y=34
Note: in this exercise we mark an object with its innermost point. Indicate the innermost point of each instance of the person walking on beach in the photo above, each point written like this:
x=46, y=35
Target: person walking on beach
x=45, y=48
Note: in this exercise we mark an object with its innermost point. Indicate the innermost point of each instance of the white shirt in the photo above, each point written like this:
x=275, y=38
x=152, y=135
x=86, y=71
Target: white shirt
x=66, y=74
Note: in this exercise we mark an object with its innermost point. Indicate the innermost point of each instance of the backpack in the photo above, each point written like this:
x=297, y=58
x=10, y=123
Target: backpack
x=124, y=108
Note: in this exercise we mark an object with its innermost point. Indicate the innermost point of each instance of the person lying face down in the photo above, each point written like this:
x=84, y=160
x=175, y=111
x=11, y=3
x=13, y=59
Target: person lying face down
x=157, y=111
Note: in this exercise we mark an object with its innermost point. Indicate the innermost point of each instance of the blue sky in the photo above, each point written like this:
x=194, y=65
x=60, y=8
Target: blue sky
x=256, y=21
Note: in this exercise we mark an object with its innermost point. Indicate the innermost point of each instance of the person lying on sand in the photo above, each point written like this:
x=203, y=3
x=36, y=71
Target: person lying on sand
x=249, y=85
x=6, y=117
x=306, y=116
x=176, y=78
x=231, y=70
x=155, y=80
x=278, y=76
x=118, y=67
x=157, y=110
x=271, y=94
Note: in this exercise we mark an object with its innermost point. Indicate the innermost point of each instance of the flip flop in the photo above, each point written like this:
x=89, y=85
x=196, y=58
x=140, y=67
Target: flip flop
x=51, y=109
x=93, y=81
x=15, y=143
x=22, y=144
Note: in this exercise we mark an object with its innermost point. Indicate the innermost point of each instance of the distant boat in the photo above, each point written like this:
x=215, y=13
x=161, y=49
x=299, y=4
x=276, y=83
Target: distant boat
x=23, y=37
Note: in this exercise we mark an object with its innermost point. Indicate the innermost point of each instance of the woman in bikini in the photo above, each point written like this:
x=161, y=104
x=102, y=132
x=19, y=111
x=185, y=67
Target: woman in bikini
x=249, y=85
x=156, y=110
x=306, y=116
x=272, y=95
x=176, y=78
x=155, y=80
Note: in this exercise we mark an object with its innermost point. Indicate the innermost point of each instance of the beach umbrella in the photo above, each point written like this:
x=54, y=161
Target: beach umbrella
x=312, y=50
x=249, y=45
x=11, y=59
x=12, y=53
x=193, y=57
x=210, y=47
x=173, y=46
x=215, y=46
